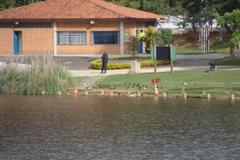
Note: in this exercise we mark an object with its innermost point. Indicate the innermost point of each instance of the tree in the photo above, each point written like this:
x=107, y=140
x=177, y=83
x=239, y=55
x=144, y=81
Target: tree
x=150, y=42
x=163, y=37
x=224, y=6
x=231, y=22
x=199, y=13
x=5, y=4
x=155, y=6
x=25, y=2
x=149, y=38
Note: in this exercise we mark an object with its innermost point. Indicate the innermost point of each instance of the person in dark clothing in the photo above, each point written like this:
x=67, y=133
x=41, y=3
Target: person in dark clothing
x=104, y=62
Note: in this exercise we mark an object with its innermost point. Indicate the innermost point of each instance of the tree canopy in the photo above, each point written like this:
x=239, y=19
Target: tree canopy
x=200, y=12
x=5, y=4
x=156, y=6
x=190, y=8
x=231, y=21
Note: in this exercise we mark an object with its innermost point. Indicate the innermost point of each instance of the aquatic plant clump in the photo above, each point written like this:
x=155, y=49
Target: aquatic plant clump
x=43, y=76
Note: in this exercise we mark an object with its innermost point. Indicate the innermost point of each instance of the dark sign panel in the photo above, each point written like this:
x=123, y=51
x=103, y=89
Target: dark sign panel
x=163, y=53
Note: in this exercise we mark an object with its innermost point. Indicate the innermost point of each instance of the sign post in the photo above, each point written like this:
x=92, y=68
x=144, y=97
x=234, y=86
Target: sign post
x=155, y=58
x=154, y=82
x=171, y=57
x=167, y=54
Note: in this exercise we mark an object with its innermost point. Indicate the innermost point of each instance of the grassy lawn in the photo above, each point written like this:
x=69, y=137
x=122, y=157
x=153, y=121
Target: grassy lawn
x=219, y=48
x=230, y=61
x=217, y=82
x=78, y=80
x=188, y=44
x=196, y=51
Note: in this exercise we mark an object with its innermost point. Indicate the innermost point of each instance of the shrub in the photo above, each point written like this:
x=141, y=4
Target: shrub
x=43, y=75
x=97, y=64
x=150, y=63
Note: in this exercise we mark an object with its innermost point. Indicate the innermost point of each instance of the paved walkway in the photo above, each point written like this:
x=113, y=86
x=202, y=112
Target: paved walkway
x=93, y=73
x=183, y=63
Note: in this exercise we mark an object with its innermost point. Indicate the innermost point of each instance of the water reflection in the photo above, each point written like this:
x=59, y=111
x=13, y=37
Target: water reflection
x=118, y=128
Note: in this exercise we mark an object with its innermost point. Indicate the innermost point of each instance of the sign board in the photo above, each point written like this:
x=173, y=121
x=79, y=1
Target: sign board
x=163, y=53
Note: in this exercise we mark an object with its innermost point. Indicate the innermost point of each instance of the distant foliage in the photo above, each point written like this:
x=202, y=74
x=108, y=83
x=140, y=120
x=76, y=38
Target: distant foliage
x=5, y=4
x=231, y=22
x=156, y=37
x=164, y=37
x=155, y=6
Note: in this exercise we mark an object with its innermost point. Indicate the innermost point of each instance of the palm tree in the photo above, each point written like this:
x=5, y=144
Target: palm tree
x=149, y=38
x=150, y=42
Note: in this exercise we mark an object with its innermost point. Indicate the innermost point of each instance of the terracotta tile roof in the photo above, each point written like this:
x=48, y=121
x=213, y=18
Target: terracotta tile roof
x=74, y=10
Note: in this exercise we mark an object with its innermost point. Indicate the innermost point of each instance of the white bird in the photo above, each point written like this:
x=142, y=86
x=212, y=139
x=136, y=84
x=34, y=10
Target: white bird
x=185, y=83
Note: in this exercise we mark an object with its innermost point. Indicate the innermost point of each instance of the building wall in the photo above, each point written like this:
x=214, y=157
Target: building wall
x=6, y=41
x=130, y=29
x=41, y=40
x=37, y=41
x=88, y=48
x=34, y=40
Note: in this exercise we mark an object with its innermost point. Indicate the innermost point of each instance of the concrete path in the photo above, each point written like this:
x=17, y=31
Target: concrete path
x=75, y=63
x=93, y=73
x=183, y=63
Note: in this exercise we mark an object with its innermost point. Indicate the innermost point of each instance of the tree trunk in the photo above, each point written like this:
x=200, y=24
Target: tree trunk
x=232, y=52
x=238, y=49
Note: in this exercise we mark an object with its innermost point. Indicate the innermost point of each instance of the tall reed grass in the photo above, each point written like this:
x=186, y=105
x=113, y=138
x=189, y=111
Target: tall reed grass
x=41, y=76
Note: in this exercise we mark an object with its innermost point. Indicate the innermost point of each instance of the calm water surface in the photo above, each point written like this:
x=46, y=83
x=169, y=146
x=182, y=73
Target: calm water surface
x=120, y=128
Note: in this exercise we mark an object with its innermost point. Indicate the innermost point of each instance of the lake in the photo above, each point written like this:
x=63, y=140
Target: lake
x=117, y=128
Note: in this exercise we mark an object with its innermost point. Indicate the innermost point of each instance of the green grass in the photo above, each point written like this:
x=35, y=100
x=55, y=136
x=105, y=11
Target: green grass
x=77, y=80
x=192, y=51
x=217, y=82
x=230, y=61
x=219, y=48
x=188, y=51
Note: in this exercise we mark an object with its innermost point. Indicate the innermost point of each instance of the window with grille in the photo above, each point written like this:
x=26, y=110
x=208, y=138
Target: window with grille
x=105, y=37
x=71, y=38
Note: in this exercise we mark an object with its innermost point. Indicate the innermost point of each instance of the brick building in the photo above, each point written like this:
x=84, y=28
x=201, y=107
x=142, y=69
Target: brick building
x=70, y=27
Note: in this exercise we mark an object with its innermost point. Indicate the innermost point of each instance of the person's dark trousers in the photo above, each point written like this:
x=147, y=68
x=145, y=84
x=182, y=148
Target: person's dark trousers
x=104, y=68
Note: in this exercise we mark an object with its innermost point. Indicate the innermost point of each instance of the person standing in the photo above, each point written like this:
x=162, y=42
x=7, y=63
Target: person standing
x=104, y=62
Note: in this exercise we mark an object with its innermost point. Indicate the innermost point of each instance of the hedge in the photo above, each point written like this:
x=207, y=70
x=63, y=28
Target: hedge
x=97, y=64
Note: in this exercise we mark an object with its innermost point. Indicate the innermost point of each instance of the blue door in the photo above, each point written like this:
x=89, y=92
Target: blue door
x=16, y=43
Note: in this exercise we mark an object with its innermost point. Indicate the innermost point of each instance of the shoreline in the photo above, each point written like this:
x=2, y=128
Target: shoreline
x=139, y=94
